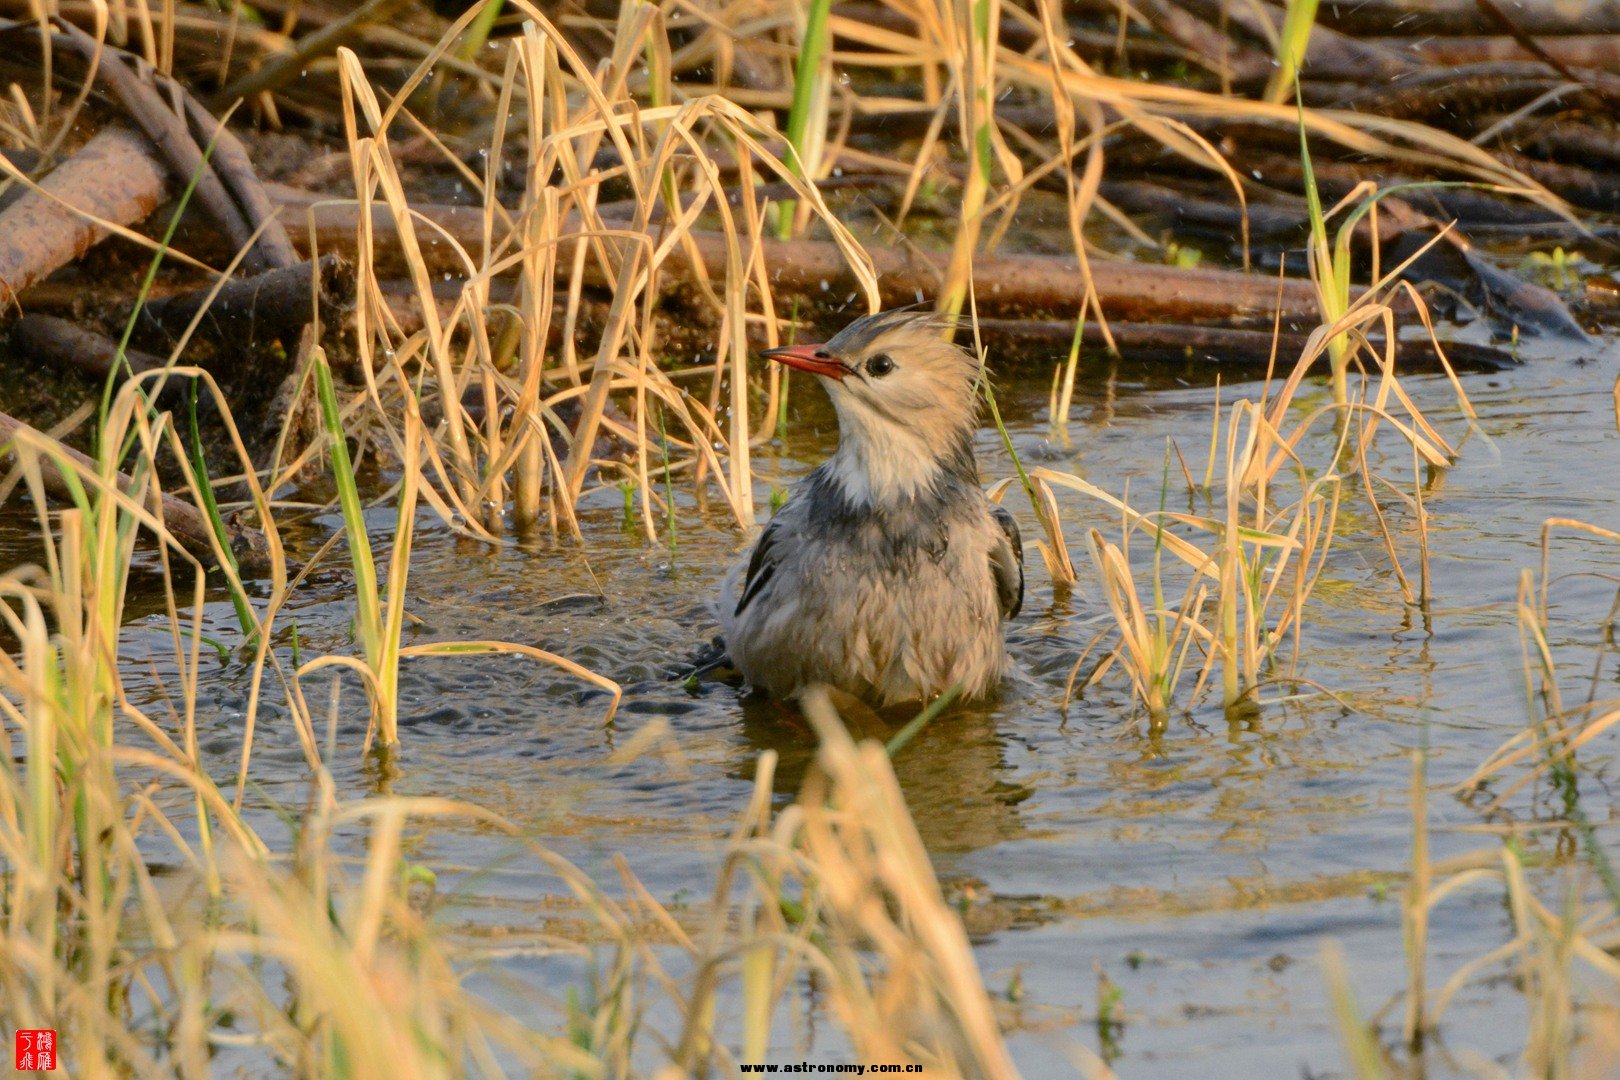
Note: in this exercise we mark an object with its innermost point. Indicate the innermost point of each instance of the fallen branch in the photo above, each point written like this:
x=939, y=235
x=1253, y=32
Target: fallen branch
x=1232, y=345
x=184, y=522
x=167, y=131
x=113, y=178
x=1441, y=17
x=1328, y=55
x=226, y=186
x=1599, y=51
x=1006, y=284
x=283, y=67
x=65, y=344
x=277, y=303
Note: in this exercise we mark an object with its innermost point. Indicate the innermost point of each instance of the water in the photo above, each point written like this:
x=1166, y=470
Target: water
x=1200, y=868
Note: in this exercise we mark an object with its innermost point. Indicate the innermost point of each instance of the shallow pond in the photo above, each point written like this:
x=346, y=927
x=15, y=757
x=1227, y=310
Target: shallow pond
x=1199, y=868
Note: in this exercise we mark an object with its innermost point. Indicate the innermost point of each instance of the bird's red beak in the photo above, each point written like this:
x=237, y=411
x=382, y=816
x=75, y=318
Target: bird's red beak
x=811, y=358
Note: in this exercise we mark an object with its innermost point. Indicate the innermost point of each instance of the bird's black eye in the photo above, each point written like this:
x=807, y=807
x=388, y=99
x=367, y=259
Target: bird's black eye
x=879, y=365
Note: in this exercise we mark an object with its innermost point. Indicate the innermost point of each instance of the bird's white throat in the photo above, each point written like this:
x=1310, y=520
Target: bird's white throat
x=879, y=462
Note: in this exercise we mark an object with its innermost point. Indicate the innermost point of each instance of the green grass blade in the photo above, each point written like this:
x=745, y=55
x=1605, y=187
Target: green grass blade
x=808, y=83
x=368, y=606
x=205, y=486
x=922, y=720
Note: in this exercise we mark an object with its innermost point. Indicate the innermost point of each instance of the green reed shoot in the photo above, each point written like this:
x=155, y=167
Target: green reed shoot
x=669, y=485
x=199, y=464
x=478, y=31
x=1366, y=1058
x=812, y=94
x=378, y=630
x=1330, y=269
x=1054, y=549
x=628, y=523
x=1292, y=43
x=927, y=716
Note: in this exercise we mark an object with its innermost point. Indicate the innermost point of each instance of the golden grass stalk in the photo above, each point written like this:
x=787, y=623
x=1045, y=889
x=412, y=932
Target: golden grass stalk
x=1154, y=642
x=970, y=34
x=1258, y=562
x=572, y=110
x=1549, y=940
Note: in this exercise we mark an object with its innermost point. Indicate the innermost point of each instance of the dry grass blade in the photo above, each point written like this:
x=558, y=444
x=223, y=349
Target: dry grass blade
x=861, y=837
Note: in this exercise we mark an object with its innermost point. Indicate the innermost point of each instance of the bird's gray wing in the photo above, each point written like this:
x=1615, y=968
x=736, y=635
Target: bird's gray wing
x=1007, y=562
x=762, y=563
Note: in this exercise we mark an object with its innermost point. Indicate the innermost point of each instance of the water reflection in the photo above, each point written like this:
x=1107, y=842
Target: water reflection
x=954, y=774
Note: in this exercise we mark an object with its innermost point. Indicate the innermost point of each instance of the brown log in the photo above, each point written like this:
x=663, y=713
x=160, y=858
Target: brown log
x=182, y=148
x=185, y=522
x=224, y=184
x=1443, y=95
x=1024, y=285
x=1010, y=284
x=65, y=344
x=276, y=303
x=114, y=178
x=167, y=131
x=1328, y=54
x=1233, y=345
x=1598, y=51
x=1443, y=17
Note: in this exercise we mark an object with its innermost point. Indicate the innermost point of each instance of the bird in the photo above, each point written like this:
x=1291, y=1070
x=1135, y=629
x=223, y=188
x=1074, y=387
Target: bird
x=888, y=574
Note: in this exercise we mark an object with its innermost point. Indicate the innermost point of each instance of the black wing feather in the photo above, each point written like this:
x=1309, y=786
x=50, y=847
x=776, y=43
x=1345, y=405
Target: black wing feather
x=761, y=564
x=1007, y=563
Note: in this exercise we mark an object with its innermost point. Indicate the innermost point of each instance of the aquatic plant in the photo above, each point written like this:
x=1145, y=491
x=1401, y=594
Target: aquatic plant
x=1570, y=1023
x=1254, y=574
